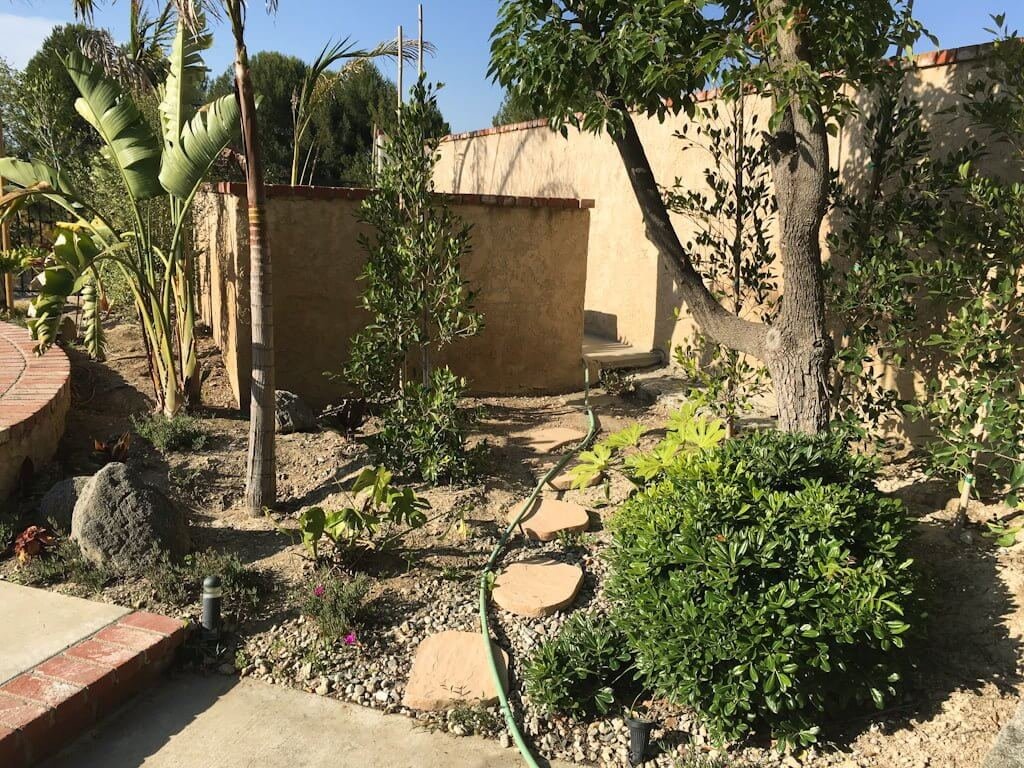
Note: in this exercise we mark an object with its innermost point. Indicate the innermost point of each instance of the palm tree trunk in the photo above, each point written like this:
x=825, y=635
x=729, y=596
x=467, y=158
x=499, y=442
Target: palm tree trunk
x=261, y=470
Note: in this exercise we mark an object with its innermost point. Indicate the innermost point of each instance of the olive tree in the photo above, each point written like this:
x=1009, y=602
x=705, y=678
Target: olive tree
x=594, y=64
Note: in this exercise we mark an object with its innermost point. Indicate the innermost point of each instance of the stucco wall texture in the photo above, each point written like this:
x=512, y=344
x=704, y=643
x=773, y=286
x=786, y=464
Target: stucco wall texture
x=528, y=266
x=630, y=294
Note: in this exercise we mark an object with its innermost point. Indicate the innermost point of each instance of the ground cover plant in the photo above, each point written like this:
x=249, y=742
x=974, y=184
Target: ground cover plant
x=765, y=583
x=336, y=604
x=177, y=433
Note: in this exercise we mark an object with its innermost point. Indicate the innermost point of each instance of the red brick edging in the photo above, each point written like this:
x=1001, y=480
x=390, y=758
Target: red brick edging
x=31, y=385
x=46, y=708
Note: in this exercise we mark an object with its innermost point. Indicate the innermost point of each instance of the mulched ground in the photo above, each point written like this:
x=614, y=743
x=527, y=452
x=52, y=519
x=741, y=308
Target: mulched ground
x=969, y=667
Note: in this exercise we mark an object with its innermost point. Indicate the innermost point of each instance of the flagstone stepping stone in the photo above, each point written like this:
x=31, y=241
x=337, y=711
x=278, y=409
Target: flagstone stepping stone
x=563, y=481
x=537, y=587
x=549, y=517
x=549, y=439
x=453, y=668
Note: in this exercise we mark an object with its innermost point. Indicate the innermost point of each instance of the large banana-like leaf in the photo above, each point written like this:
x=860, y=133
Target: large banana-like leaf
x=130, y=144
x=28, y=173
x=185, y=164
x=73, y=256
x=182, y=90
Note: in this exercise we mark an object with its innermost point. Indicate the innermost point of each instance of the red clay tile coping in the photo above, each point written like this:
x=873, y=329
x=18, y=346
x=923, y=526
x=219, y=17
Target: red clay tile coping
x=360, y=193
x=31, y=385
x=46, y=708
x=940, y=58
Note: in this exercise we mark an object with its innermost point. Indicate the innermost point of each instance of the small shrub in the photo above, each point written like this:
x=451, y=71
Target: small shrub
x=337, y=605
x=423, y=432
x=177, y=433
x=180, y=584
x=764, y=583
x=62, y=564
x=378, y=515
x=579, y=670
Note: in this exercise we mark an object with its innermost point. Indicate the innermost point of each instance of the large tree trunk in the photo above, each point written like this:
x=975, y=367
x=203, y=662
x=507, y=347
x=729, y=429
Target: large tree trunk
x=261, y=470
x=796, y=348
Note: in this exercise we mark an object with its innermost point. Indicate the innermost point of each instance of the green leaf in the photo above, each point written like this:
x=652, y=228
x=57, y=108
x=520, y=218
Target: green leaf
x=181, y=91
x=185, y=164
x=129, y=142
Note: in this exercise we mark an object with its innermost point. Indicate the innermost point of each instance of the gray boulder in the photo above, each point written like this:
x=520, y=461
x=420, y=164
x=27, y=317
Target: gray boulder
x=58, y=505
x=291, y=414
x=119, y=520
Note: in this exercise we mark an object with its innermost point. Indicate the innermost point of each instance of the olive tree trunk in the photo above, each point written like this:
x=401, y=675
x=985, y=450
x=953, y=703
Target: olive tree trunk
x=795, y=348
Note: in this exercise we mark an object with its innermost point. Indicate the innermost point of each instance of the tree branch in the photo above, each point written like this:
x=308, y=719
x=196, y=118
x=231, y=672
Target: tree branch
x=714, y=319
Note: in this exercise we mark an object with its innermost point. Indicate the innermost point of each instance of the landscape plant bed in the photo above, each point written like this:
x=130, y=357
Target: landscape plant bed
x=966, y=684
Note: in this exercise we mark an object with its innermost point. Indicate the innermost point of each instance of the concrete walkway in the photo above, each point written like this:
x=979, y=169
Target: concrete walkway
x=39, y=624
x=218, y=722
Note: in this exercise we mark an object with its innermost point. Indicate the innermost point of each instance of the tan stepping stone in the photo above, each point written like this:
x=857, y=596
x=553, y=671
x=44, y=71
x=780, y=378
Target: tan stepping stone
x=453, y=668
x=549, y=517
x=563, y=481
x=537, y=587
x=549, y=439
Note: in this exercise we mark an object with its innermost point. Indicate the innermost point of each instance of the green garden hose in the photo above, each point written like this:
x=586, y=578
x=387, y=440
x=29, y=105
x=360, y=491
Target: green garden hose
x=492, y=562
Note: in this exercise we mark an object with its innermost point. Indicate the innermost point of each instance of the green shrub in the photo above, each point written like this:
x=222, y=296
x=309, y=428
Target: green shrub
x=423, y=432
x=764, y=583
x=180, y=584
x=177, y=433
x=579, y=670
x=337, y=605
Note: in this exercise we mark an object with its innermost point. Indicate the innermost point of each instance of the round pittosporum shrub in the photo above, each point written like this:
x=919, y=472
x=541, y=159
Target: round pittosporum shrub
x=764, y=583
x=578, y=671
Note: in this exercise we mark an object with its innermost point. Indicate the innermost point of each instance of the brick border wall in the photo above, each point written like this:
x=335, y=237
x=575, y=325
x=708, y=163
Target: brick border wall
x=35, y=395
x=940, y=58
x=361, y=193
x=46, y=708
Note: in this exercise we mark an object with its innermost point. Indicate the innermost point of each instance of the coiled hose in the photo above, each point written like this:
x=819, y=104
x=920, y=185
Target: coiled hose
x=495, y=558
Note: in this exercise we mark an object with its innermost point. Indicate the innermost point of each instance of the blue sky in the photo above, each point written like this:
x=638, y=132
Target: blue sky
x=459, y=28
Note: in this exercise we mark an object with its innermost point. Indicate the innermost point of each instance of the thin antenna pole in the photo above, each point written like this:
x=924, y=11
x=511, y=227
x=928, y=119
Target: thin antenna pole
x=401, y=71
x=421, y=38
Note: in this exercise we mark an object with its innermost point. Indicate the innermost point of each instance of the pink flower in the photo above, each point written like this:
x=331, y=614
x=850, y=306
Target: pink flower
x=350, y=638
x=319, y=590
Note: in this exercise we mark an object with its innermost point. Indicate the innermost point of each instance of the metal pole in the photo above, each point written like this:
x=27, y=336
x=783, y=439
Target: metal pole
x=212, y=595
x=5, y=234
x=401, y=71
x=421, y=38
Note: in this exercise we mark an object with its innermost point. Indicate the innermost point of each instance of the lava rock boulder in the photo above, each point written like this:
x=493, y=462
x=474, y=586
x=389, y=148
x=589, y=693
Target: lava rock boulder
x=119, y=519
x=57, y=507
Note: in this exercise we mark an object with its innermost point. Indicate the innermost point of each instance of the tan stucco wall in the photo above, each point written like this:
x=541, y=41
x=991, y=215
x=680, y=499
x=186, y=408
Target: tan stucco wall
x=630, y=295
x=528, y=266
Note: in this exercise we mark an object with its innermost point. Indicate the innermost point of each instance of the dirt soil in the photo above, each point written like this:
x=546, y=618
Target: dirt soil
x=969, y=669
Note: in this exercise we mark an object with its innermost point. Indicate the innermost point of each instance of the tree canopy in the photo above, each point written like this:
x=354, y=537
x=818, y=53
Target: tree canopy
x=515, y=108
x=342, y=128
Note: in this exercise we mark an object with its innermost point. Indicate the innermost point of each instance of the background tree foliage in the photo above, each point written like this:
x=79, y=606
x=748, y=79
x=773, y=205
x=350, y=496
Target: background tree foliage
x=341, y=128
x=515, y=108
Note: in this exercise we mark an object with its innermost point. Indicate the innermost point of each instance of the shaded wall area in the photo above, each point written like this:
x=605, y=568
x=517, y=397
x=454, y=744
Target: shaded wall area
x=631, y=295
x=528, y=266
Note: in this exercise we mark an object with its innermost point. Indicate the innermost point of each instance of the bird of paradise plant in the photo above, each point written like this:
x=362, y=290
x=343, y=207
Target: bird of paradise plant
x=172, y=164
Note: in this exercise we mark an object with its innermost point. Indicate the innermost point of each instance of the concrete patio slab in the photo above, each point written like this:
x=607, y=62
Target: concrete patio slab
x=218, y=722
x=39, y=624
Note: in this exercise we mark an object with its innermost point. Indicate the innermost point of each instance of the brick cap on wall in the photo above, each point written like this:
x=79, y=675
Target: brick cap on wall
x=49, y=706
x=31, y=385
x=940, y=58
x=237, y=189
